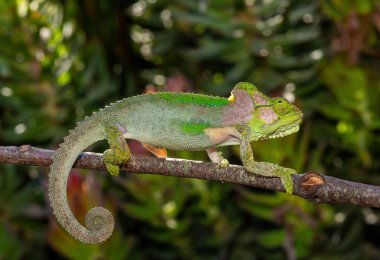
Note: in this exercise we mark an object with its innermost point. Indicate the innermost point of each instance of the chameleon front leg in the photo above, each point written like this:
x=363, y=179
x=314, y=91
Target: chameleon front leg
x=264, y=168
x=119, y=152
x=217, y=157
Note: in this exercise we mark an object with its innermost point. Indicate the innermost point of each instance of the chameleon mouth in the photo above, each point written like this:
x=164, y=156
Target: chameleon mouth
x=281, y=132
x=295, y=120
x=288, y=129
x=284, y=132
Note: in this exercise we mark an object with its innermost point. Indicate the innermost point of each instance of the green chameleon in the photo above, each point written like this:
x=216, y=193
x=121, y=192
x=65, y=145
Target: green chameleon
x=179, y=121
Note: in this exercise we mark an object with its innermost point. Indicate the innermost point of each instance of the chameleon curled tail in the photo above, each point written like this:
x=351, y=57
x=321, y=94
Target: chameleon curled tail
x=99, y=221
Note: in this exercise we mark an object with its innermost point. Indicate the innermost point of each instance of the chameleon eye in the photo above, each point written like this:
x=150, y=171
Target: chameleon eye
x=280, y=105
x=280, y=101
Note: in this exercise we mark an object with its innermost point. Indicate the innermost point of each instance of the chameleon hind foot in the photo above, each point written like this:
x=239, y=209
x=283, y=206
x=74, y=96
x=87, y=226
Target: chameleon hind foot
x=119, y=152
x=112, y=162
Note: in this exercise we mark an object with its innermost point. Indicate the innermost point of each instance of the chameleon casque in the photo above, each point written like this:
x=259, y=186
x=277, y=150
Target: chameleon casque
x=179, y=121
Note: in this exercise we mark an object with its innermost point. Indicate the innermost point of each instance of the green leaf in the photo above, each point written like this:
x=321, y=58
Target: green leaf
x=282, y=61
x=145, y=212
x=298, y=36
x=257, y=211
x=10, y=248
x=348, y=84
x=272, y=238
x=298, y=12
x=210, y=21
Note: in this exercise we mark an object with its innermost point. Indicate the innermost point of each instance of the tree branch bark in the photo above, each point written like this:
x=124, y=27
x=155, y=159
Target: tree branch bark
x=311, y=186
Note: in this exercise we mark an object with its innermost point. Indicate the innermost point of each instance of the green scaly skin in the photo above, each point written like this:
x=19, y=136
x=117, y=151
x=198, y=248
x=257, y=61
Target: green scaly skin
x=176, y=121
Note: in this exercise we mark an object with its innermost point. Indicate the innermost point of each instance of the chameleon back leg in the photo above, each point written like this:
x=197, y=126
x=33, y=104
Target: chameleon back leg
x=119, y=151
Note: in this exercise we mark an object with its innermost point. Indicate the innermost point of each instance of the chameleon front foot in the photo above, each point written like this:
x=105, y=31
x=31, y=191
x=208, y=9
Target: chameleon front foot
x=264, y=168
x=285, y=174
x=223, y=163
x=217, y=157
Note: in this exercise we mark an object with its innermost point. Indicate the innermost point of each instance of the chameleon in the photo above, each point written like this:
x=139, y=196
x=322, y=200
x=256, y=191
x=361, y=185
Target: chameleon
x=178, y=121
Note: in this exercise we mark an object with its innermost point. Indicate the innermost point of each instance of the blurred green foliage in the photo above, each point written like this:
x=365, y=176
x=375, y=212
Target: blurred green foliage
x=61, y=60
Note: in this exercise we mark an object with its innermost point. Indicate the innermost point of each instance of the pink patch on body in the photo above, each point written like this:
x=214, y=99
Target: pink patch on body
x=240, y=111
x=268, y=115
x=259, y=100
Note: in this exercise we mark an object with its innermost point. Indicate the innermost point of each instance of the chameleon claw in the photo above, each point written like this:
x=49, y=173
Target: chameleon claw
x=223, y=163
x=114, y=170
x=111, y=162
x=286, y=179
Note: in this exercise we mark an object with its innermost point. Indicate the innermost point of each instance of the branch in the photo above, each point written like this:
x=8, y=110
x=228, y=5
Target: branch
x=311, y=186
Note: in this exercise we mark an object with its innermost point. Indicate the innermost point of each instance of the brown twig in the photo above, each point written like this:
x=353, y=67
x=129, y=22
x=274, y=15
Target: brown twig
x=311, y=185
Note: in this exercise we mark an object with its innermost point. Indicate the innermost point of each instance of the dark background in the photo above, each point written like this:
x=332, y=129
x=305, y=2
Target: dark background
x=61, y=60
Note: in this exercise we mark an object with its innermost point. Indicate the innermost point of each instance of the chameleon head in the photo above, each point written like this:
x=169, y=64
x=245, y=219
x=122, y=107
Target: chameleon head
x=272, y=117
